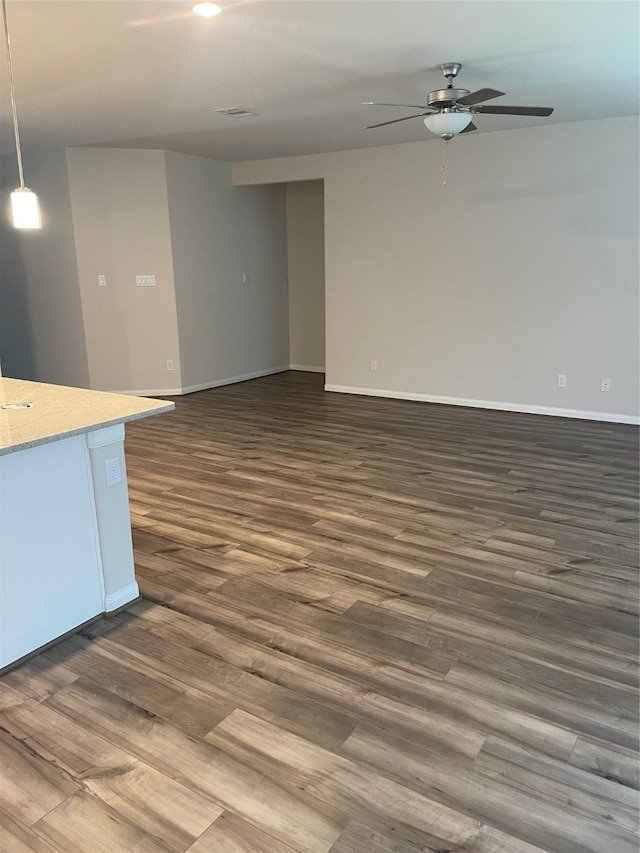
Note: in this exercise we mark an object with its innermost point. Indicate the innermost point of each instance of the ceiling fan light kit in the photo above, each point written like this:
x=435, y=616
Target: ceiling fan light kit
x=447, y=123
x=450, y=111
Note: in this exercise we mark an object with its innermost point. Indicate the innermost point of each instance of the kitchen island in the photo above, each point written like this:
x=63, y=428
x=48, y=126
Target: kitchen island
x=65, y=532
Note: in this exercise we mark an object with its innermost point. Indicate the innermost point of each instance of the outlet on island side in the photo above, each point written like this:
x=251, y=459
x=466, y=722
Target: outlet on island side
x=112, y=472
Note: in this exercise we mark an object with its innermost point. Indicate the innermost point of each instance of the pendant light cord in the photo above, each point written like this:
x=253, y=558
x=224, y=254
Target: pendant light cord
x=12, y=93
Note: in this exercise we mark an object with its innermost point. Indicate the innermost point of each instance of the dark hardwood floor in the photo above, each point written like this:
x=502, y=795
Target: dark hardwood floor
x=367, y=626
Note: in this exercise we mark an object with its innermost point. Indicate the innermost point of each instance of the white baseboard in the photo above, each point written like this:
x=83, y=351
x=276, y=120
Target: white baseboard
x=203, y=386
x=580, y=414
x=151, y=392
x=216, y=383
x=307, y=368
x=119, y=599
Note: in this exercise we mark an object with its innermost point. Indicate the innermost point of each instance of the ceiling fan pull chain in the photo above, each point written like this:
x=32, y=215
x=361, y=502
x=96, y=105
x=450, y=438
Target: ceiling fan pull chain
x=443, y=168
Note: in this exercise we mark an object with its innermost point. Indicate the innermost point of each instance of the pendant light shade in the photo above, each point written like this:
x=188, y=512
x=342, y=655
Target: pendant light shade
x=207, y=10
x=25, y=209
x=446, y=124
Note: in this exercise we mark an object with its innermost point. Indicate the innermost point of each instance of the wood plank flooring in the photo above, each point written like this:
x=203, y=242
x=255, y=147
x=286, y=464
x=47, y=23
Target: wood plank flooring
x=367, y=626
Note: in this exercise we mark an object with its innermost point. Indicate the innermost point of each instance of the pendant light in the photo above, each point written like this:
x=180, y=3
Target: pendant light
x=24, y=202
x=207, y=10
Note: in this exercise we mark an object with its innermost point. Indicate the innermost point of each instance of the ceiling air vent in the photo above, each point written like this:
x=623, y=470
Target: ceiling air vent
x=236, y=112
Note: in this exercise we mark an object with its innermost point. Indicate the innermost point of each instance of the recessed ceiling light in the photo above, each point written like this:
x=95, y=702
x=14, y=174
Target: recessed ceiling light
x=236, y=112
x=207, y=10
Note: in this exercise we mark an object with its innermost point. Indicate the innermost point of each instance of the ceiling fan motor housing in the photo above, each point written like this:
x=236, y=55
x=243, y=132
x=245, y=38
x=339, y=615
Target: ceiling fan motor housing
x=443, y=97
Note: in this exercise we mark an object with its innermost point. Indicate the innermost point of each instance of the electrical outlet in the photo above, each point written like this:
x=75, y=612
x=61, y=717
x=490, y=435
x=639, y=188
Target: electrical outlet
x=112, y=472
x=562, y=380
x=102, y=281
x=605, y=385
x=245, y=278
x=145, y=281
x=170, y=364
x=374, y=365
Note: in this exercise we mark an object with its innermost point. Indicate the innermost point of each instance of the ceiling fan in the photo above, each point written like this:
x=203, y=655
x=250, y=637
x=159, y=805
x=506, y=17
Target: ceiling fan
x=450, y=111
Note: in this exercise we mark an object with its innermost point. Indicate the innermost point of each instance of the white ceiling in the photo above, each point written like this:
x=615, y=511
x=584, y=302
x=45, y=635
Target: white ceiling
x=149, y=73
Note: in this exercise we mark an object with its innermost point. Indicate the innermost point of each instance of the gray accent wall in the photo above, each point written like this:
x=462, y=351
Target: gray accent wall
x=305, y=243
x=121, y=224
x=229, y=248
x=41, y=329
x=123, y=213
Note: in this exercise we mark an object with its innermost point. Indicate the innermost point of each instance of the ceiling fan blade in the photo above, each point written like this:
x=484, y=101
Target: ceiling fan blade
x=471, y=126
x=513, y=111
x=379, y=104
x=395, y=120
x=480, y=95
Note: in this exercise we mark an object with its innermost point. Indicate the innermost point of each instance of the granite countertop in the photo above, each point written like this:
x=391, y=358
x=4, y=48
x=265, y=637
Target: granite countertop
x=58, y=412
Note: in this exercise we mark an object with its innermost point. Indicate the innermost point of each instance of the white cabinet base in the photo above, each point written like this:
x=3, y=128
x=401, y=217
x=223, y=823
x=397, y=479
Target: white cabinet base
x=65, y=540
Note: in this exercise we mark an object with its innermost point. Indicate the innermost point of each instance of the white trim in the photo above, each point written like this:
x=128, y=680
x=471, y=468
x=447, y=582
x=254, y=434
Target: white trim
x=489, y=404
x=94, y=519
x=106, y=435
x=119, y=599
x=203, y=386
x=151, y=392
x=216, y=383
x=307, y=368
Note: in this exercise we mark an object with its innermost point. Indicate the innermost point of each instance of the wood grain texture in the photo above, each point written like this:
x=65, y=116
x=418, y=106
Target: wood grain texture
x=368, y=626
x=15, y=837
x=165, y=809
x=230, y=834
x=31, y=786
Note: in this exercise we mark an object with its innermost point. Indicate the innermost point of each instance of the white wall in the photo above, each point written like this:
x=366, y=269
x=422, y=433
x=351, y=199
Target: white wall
x=305, y=244
x=120, y=213
x=121, y=224
x=228, y=329
x=41, y=329
x=524, y=266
